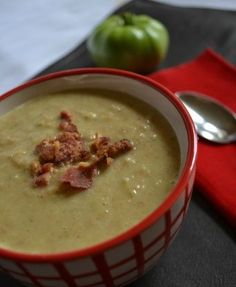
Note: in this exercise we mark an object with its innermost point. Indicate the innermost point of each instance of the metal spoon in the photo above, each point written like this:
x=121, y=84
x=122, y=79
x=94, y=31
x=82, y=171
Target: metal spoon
x=213, y=121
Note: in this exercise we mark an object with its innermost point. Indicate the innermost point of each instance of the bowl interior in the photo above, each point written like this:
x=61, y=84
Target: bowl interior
x=138, y=89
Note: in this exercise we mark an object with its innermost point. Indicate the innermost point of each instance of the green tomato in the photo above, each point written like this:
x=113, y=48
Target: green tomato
x=132, y=42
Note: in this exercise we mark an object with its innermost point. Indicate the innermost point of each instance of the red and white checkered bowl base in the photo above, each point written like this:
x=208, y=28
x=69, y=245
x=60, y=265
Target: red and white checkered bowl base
x=114, y=267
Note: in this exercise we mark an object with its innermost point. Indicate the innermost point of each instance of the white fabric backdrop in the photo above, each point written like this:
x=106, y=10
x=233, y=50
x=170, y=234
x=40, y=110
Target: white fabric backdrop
x=34, y=34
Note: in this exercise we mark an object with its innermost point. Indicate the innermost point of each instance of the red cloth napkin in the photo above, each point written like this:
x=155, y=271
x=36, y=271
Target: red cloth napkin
x=216, y=164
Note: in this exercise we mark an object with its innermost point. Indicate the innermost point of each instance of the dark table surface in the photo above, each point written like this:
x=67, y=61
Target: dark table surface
x=204, y=252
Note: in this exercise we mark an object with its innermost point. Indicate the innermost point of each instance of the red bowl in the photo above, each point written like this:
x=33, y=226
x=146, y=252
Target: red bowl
x=119, y=260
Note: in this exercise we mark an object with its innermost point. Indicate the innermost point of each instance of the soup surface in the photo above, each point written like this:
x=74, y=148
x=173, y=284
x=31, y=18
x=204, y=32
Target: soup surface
x=47, y=219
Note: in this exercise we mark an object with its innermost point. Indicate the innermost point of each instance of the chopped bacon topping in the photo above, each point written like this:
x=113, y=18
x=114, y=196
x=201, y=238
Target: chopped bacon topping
x=102, y=146
x=68, y=127
x=79, y=178
x=41, y=180
x=37, y=168
x=64, y=115
x=69, y=148
x=41, y=173
x=66, y=148
x=47, y=167
x=119, y=147
x=66, y=124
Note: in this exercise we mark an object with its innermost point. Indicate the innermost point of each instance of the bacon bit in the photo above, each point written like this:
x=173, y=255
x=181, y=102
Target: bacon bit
x=66, y=124
x=71, y=149
x=46, y=150
x=79, y=178
x=68, y=136
x=66, y=148
x=47, y=167
x=68, y=127
x=41, y=180
x=119, y=147
x=102, y=146
x=105, y=151
x=37, y=168
x=64, y=115
x=41, y=173
x=96, y=161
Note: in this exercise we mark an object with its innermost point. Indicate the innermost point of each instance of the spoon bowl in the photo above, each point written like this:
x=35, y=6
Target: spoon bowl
x=213, y=121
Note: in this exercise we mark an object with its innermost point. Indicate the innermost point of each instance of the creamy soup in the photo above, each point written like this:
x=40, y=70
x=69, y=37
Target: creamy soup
x=51, y=219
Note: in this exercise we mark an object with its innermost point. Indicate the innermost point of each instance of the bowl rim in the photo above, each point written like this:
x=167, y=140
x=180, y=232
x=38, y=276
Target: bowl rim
x=149, y=219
